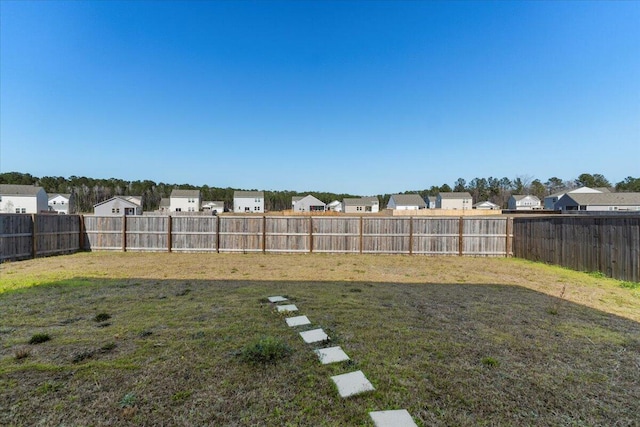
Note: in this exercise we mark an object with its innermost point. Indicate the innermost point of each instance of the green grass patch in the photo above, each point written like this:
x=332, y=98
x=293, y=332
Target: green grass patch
x=39, y=338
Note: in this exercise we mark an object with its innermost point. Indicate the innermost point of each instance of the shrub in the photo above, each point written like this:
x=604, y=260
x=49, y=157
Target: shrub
x=490, y=361
x=265, y=350
x=39, y=338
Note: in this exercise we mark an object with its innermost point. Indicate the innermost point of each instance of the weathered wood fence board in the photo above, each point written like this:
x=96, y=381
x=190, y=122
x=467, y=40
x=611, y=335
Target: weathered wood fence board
x=193, y=234
x=242, y=234
x=104, y=233
x=16, y=236
x=336, y=235
x=610, y=245
x=29, y=236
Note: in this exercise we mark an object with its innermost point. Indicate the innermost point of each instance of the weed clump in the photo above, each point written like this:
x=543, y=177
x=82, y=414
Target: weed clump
x=266, y=350
x=490, y=362
x=102, y=317
x=39, y=338
x=21, y=353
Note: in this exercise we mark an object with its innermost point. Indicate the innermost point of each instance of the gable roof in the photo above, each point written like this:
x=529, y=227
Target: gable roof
x=19, y=190
x=360, y=201
x=53, y=196
x=312, y=200
x=519, y=197
x=604, y=199
x=185, y=193
x=486, y=203
x=408, y=200
x=124, y=199
x=455, y=195
x=248, y=194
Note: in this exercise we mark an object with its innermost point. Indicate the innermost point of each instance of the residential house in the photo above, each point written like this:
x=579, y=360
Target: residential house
x=248, y=201
x=119, y=206
x=361, y=205
x=61, y=203
x=458, y=200
x=431, y=202
x=184, y=201
x=599, y=202
x=550, y=201
x=486, y=205
x=406, y=202
x=307, y=204
x=165, y=205
x=215, y=207
x=335, y=206
x=23, y=199
x=519, y=202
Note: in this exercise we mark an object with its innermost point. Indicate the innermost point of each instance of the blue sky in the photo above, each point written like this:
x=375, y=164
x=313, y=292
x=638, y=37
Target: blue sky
x=357, y=97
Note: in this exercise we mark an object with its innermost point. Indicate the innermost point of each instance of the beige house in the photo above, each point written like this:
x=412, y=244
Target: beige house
x=361, y=205
x=307, y=204
x=184, y=201
x=248, y=201
x=119, y=206
x=454, y=200
x=405, y=202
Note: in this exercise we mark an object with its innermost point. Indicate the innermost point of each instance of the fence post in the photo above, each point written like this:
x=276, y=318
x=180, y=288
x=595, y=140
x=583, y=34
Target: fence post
x=264, y=233
x=81, y=232
x=169, y=231
x=361, y=233
x=410, y=235
x=34, y=235
x=507, y=245
x=460, y=233
x=310, y=234
x=218, y=234
x=124, y=233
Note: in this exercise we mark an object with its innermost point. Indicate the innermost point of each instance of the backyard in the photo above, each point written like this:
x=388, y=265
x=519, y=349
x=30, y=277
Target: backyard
x=160, y=339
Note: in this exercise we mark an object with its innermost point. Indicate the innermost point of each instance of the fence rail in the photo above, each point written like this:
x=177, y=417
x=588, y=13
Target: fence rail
x=608, y=244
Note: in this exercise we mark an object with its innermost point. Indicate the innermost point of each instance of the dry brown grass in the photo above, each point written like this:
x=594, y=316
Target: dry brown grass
x=456, y=341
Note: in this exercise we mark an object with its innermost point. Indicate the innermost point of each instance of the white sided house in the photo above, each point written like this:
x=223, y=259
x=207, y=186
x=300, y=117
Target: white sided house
x=215, y=207
x=404, y=202
x=23, y=199
x=550, y=201
x=361, y=205
x=335, y=206
x=518, y=202
x=599, y=202
x=119, y=206
x=184, y=201
x=432, y=202
x=60, y=203
x=457, y=200
x=486, y=205
x=248, y=201
x=307, y=204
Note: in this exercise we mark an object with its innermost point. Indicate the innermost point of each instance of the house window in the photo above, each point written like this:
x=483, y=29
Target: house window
x=17, y=210
x=257, y=208
x=62, y=202
x=113, y=210
x=178, y=209
x=54, y=202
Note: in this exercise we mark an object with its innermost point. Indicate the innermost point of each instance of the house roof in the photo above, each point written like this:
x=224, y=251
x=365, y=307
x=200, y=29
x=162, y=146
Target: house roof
x=518, y=197
x=486, y=203
x=213, y=203
x=296, y=199
x=313, y=200
x=53, y=196
x=125, y=199
x=248, y=194
x=408, y=200
x=185, y=193
x=360, y=201
x=605, y=199
x=19, y=190
x=455, y=195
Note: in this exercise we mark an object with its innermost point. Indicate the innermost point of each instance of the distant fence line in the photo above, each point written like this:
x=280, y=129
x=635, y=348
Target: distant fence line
x=607, y=244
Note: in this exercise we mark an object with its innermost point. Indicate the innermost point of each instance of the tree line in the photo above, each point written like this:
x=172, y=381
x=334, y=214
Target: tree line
x=91, y=191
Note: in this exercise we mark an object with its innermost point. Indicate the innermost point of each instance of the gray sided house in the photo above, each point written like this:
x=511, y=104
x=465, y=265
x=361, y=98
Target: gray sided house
x=432, y=201
x=165, y=205
x=599, y=202
x=519, y=202
x=550, y=201
x=248, y=201
x=406, y=202
x=118, y=206
x=458, y=200
x=307, y=204
x=361, y=205
x=23, y=199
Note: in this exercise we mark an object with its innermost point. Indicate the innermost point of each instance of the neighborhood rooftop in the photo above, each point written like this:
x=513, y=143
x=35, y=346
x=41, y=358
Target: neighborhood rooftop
x=408, y=200
x=19, y=190
x=455, y=195
x=596, y=199
x=248, y=194
x=185, y=193
x=361, y=201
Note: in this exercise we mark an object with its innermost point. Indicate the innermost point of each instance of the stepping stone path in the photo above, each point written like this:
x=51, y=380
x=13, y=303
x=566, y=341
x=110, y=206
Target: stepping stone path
x=399, y=418
x=349, y=384
x=314, y=335
x=298, y=321
x=331, y=355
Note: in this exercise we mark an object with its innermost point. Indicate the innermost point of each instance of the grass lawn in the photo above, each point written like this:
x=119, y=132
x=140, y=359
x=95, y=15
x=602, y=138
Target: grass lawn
x=157, y=339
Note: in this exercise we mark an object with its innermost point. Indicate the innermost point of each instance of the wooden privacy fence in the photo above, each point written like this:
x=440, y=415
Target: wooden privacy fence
x=610, y=245
x=428, y=236
x=28, y=236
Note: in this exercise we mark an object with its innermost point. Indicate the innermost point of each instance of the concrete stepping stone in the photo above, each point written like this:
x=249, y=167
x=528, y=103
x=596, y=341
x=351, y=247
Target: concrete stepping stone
x=314, y=335
x=331, y=355
x=396, y=418
x=352, y=383
x=287, y=307
x=277, y=299
x=298, y=321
